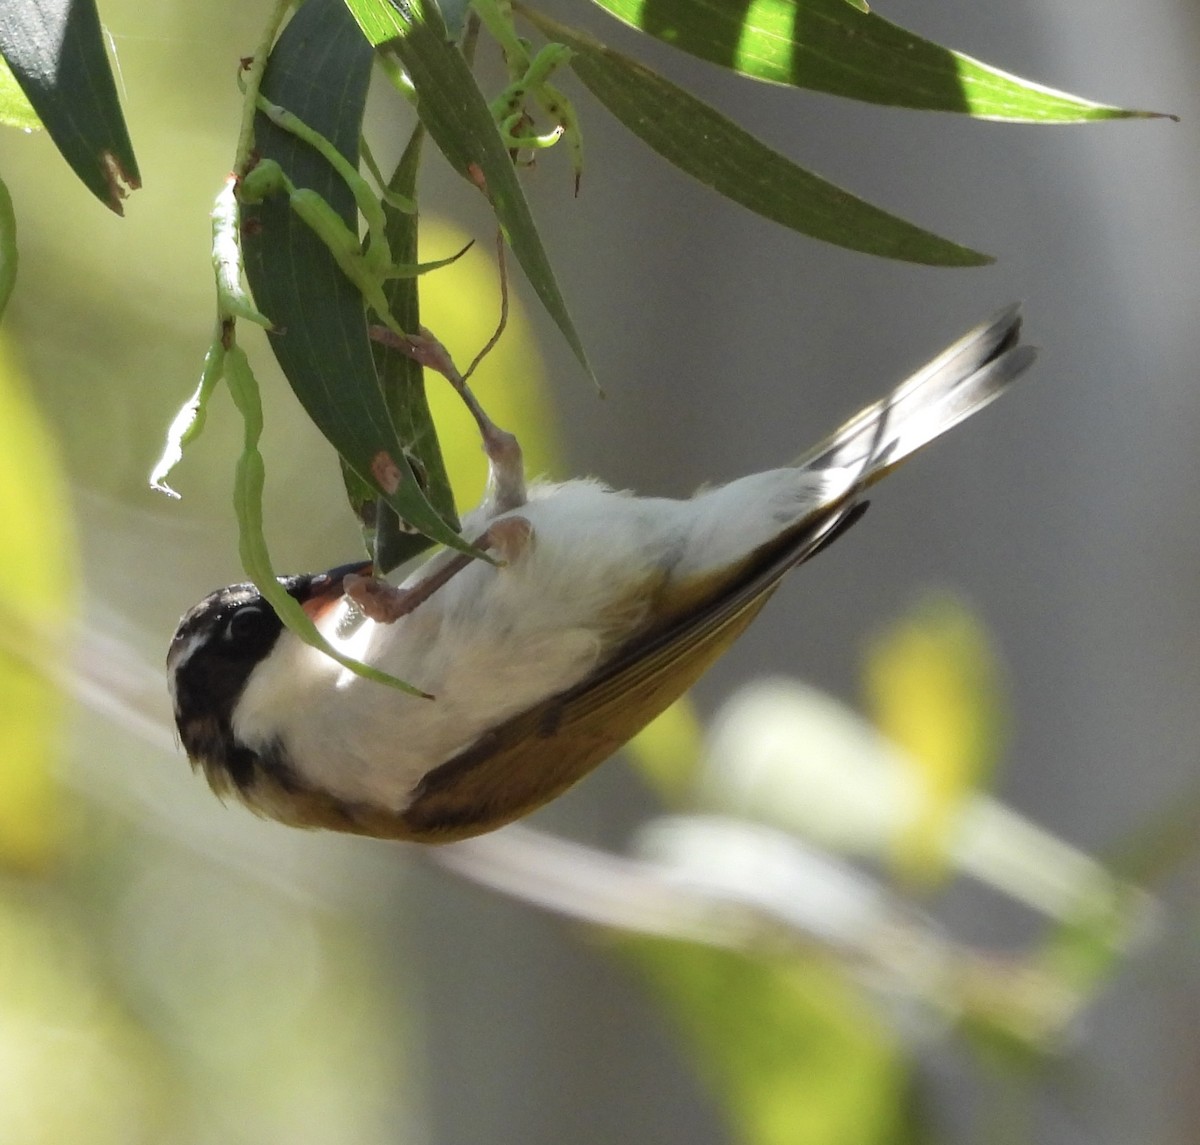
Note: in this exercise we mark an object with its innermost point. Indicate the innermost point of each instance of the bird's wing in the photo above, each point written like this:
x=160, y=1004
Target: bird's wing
x=534, y=756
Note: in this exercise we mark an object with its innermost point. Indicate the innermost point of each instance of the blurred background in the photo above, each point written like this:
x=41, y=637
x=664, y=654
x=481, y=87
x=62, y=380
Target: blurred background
x=176, y=970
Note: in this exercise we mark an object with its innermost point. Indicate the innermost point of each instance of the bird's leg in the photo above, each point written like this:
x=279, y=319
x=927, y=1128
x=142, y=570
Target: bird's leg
x=505, y=461
x=385, y=603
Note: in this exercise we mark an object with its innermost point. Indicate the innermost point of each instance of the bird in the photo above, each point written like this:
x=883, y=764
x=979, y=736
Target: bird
x=598, y=609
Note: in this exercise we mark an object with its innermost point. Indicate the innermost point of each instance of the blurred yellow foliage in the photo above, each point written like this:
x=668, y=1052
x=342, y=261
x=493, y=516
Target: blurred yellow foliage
x=932, y=688
x=461, y=305
x=37, y=574
x=791, y=1049
x=667, y=751
x=76, y=1067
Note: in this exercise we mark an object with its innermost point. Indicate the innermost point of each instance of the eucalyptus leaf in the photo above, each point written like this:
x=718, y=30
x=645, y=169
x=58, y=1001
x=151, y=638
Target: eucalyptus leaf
x=831, y=46
x=319, y=71
x=716, y=151
x=248, y=484
x=56, y=51
x=15, y=108
x=402, y=379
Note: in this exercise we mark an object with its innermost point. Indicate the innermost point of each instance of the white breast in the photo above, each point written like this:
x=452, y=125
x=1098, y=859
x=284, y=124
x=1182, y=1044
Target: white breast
x=493, y=641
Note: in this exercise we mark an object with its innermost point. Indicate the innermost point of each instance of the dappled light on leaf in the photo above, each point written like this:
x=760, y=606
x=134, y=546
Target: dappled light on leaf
x=718, y=153
x=827, y=46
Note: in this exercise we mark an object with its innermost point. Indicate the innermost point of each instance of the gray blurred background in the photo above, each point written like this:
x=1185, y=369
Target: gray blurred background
x=1067, y=515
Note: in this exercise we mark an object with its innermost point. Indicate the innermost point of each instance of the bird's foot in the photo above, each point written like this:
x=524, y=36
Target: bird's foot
x=506, y=463
x=385, y=603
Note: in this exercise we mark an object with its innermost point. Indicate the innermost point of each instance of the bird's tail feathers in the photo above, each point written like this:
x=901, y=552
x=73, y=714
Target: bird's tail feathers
x=959, y=382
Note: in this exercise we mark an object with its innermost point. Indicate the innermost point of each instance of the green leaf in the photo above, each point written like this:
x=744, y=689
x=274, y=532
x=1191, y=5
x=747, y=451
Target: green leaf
x=457, y=117
x=15, y=108
x=828, y=46
x=402, y=379
x=248, y=483
x=717, y=152
x=55, y=49
x=786, y=1045
x=319, y=70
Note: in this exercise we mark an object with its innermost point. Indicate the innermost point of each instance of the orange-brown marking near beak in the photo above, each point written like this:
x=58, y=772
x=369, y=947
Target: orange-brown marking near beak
x=326, y=590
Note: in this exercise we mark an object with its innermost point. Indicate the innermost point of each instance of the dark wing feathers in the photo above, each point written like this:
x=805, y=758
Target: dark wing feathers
x=537, y=754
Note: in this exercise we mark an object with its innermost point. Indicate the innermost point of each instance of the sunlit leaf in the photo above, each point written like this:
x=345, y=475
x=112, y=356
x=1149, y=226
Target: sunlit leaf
x=828, y=46
x=456, y=114
x=36, y=581
x=55, y=49
x=15, y=108
x=787, y=1047
x=933, y=689
x=716, y=151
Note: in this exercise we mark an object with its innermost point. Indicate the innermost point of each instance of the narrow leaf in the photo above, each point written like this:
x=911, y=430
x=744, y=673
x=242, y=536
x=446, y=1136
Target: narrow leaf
x=55, y=49
x=402, y=379
x=829, y=46
x=319, y=70
x=457, y=117
x=249, y=479
x=716, y=151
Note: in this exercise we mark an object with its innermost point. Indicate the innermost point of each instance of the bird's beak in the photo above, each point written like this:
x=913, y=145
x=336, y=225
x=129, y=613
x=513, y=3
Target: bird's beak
x=325, y=589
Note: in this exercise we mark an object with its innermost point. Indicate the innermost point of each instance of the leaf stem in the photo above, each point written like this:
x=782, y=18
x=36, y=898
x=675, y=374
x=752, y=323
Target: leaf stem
x=254, y=71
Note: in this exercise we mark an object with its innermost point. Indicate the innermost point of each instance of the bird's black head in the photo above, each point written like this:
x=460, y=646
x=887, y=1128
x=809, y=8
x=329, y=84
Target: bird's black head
x=216, y=647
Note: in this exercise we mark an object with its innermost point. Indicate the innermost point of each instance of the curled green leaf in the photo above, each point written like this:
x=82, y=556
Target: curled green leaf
x=458, y=119
x=252, y=543
x=189, y=421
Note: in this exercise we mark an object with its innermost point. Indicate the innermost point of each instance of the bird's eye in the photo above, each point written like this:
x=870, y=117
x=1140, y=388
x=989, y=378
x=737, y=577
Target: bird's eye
x=246, y=624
